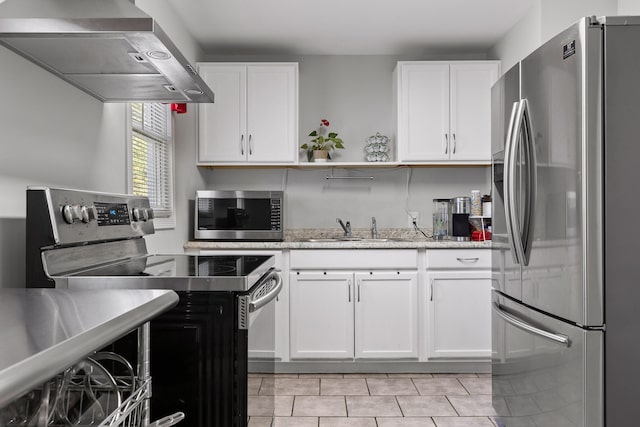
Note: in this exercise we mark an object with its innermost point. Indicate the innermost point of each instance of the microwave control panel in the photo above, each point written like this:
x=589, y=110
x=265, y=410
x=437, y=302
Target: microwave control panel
x=276, y=214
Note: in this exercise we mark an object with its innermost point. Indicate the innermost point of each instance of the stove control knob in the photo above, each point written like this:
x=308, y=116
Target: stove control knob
x=139, y=214
x=70, y=213
x=150, y=214
x=87, y=214
x=67, y=214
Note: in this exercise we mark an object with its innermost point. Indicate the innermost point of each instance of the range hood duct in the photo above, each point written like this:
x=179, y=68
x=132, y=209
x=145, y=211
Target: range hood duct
x=108, y=48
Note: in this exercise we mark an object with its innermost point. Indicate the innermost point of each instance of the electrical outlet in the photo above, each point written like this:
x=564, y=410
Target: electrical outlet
x=413, y=216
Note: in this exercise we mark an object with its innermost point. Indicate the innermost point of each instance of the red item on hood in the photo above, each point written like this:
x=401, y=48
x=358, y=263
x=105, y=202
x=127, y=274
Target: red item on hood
x=179, y=108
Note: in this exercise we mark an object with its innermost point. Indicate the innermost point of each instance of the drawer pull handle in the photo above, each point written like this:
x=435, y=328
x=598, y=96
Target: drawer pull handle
x=473, y=259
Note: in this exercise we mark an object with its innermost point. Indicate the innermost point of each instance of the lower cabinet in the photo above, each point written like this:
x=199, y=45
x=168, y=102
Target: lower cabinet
x=459, y=306
x=345, y=315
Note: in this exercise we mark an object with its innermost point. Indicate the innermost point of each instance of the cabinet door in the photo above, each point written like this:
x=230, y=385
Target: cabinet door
x=423, y=115
x=470, y=117
x=272, y=105
x=222, y=125
x=459, y=314
x=321, y=318
x=386, y=315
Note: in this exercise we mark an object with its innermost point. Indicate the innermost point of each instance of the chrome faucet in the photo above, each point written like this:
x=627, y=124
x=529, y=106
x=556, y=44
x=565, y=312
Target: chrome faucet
x=346, y=227
x=374, y=228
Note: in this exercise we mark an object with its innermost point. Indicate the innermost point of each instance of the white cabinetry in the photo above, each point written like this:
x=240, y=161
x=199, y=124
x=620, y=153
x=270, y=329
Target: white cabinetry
x=338, y=312
x=459, y=304
x=444, y=110
x=386, y=315
x=321, y=315
x=255, y=115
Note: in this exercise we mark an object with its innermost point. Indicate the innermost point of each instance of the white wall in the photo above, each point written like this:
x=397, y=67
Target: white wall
x=312, y=201
x=558, y=15
x=544, y=20
x=54, y=134
x=163, y=13
x=522, y=39
x=628, y=7
x=188, y=179
x=354, y=94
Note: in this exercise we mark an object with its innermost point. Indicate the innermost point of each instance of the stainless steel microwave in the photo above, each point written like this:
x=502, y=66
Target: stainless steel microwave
x=239, y=215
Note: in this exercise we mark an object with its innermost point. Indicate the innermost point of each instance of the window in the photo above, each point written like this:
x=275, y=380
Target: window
x=150, y=157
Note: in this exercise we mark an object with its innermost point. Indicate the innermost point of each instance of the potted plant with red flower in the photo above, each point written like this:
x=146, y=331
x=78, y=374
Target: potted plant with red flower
x=322, y=143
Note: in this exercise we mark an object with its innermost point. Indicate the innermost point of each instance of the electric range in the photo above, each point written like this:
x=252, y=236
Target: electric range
x=88, y=240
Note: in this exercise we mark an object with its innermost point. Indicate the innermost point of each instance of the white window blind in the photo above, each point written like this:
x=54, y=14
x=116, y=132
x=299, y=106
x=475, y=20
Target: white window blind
x=151, y=157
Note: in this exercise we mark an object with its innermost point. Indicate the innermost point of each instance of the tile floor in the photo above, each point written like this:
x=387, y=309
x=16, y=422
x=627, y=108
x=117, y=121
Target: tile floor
x=370, y=400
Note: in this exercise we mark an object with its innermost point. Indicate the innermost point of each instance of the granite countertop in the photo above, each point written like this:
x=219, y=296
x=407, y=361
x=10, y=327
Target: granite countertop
x=404, y=238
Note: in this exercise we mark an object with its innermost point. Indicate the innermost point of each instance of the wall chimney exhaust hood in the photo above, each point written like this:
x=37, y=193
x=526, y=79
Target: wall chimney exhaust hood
x=108, y=48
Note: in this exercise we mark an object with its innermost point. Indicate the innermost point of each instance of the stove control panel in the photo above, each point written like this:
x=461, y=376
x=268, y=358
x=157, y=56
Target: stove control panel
x=81, y=216
x=112, y=214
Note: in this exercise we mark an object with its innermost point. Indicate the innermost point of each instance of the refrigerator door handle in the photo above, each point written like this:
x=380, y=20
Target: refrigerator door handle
x=522, y=232
x=509, y=176
x=521, y=324
x=531, y=186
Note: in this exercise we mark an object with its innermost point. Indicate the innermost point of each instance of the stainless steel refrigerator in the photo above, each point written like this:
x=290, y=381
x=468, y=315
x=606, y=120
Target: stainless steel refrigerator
x=566, y=258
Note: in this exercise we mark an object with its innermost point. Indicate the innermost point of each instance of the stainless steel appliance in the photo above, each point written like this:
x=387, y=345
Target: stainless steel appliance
x=441, y=219
x=93, y=241
x=565, y=122
x=107, y=48
x=460, y=227
x=239, y=215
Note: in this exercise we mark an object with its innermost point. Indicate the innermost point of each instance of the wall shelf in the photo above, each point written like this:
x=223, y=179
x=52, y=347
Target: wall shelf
x=347, y=165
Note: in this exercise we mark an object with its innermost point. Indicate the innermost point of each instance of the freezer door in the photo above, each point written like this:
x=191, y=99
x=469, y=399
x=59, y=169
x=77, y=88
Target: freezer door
x=561, y=85
x=506, y=272
x=545, y=372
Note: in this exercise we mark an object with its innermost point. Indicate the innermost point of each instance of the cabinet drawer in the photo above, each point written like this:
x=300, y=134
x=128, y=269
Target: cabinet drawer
x=354, y=259
x=459, y=259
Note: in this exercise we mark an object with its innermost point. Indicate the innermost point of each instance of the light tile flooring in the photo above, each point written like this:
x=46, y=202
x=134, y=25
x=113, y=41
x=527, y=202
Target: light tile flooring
x=370, y=400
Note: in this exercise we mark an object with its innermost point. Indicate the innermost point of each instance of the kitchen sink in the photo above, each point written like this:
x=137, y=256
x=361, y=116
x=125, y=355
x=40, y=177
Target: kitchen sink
x=350, y=239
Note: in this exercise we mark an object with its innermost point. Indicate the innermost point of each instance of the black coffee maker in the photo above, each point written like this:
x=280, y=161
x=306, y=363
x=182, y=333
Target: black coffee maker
x=460, y=207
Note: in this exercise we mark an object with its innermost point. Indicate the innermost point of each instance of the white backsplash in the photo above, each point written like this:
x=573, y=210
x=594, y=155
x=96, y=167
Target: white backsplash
x=312, y=201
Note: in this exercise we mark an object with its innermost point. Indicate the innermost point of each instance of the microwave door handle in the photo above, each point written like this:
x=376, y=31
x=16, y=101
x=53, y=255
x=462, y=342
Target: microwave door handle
x=508, y=178
x=527, y=327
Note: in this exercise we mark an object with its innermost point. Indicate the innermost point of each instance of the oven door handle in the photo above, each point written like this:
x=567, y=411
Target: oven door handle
x=258, y=303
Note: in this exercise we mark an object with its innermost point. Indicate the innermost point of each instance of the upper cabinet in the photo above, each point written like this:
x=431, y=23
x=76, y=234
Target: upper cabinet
x=443, y=111
x=255, y=115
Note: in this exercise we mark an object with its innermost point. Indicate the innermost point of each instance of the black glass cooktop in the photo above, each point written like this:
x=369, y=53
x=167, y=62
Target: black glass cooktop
x=185, y=266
